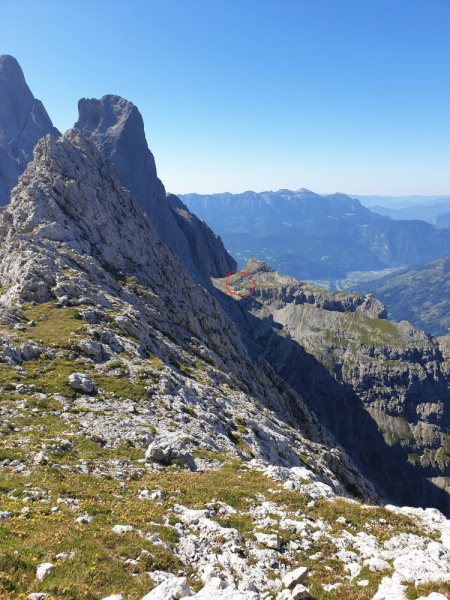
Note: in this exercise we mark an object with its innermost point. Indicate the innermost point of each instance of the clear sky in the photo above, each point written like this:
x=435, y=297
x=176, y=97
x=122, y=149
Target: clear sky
x=331, y=95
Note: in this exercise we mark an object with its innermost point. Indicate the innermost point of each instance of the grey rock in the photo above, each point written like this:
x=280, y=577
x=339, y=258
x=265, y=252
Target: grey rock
x=23, y=121
x=168, y=448
x=37, y=596
x=271, y=540
x=299, y=592
x=80, y=381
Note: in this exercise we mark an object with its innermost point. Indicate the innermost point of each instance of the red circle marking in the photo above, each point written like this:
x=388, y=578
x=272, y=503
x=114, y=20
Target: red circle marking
x=241, y=295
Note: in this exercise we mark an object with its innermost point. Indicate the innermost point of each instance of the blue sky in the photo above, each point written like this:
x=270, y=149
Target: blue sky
x=331, y=95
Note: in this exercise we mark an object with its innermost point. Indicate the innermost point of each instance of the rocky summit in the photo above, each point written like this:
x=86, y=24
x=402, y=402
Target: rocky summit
x=162, y=438
x=23, y=121
x=116, y=128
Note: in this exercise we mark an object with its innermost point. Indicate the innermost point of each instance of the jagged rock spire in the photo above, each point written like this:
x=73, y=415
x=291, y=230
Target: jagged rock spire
x=23, y=121
x=115, y=126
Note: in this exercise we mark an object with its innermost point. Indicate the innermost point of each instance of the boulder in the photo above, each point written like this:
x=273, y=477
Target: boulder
x=80, y=381
x=171, y=589
x=293, y=577
x=299, y=592
x=169, y=447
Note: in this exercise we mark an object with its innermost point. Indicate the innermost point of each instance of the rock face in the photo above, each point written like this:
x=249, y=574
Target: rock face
x=116, y=128
x=207, y=250
x=23, y=121
x=381, y=388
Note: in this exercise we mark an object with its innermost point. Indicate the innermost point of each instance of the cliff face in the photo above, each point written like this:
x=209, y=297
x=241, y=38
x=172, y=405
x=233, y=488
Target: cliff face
x=116, y=128
x=207, y=250
x=382, y=389
x=23, y=121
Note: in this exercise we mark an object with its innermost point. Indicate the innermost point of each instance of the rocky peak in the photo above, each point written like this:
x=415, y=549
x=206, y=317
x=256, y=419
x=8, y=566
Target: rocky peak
x=115, y=126
x=23, y=121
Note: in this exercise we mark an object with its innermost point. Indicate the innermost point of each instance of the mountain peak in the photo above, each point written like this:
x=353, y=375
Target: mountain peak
x=23, y=121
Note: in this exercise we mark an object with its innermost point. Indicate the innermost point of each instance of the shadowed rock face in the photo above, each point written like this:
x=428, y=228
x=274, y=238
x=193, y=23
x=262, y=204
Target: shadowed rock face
x=381, y=388
x=23, y=121
x=116, y=128
x=207, y=249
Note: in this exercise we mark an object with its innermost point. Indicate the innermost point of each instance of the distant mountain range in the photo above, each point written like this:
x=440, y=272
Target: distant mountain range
x=424, y=208
x=314, y=237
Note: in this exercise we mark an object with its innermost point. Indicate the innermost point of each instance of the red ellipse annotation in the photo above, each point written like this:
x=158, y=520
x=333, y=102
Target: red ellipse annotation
x=241, y=295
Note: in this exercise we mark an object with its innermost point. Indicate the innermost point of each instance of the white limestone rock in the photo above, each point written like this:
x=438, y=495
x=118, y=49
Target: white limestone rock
x=81, y=381
x=297, y=576
x=171, y=589
x=122, y=528
x=43, y=570
x=271, y=540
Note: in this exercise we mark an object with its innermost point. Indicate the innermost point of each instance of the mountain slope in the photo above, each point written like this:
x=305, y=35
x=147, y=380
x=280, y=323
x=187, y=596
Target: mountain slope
x=382, y=389
x=420, y=295
x=116, y=128
x=73, y=235
x=315, y=237
x=23, y=121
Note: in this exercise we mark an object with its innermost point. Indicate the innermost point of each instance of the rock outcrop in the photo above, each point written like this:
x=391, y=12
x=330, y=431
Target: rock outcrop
x=116, y=128
x=23, y=121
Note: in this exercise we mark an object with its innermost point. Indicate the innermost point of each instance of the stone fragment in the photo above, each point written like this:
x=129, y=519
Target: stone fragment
x=299, y=592
x=90, y=347
x=43, y=570
x=40, y=458
x=122, y=528
x=171, y=589
x=80, y=381
x=84, y=519
x=115, y=597
x=37, y=596
x=297, y=576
